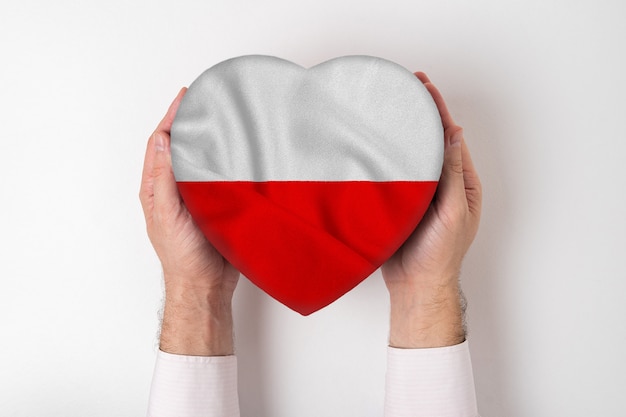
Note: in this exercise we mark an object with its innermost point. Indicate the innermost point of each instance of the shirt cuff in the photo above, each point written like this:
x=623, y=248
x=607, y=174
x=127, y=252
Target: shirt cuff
x=430, y=382
x=194, y=386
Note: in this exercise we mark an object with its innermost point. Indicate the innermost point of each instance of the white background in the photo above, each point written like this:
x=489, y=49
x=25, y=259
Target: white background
x=539, y=87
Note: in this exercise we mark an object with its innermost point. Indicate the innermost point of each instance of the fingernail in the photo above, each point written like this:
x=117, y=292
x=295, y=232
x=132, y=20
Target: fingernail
x=455, y=139
x=159, y=143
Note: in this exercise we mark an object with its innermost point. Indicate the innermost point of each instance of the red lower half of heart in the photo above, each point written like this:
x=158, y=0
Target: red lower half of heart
x=307, y=243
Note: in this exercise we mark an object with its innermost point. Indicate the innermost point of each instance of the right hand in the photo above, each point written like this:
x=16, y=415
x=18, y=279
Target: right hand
x=187, y=257
x=199, y=282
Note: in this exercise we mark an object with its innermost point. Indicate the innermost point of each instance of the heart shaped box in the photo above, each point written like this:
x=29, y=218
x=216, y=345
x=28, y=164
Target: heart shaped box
x=307, y=180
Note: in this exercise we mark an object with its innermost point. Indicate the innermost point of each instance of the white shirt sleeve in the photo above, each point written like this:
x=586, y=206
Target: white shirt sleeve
x=436, y=382
x=194, y=386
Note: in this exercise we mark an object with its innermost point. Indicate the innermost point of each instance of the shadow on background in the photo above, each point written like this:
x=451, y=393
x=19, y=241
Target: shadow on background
x=251, y=349
x=484, y=273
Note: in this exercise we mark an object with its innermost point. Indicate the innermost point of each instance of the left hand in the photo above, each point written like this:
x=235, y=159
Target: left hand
x=422, y=276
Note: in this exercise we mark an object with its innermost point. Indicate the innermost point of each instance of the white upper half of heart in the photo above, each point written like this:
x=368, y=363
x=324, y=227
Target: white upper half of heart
x=262, y=118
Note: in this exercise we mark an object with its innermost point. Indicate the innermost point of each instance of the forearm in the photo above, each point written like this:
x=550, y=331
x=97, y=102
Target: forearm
x=429, y=366
x=196, y=371
x=196, y=322
x=426, y=316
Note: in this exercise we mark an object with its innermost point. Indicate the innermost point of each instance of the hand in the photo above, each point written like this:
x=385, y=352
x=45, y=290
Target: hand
x=199, y=282
x=422, y=276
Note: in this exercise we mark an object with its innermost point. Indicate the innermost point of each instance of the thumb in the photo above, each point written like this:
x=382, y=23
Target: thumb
x=165, y=189
x=451, y=184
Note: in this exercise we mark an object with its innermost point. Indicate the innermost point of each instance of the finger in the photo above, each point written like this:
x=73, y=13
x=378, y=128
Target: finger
x=166, y=195
x=146, y=191
x=473, y=186
x=451, y=189
x=446, y=117
x=439, y=101
x=422, y=77
x=468, y=163
x=166, y=123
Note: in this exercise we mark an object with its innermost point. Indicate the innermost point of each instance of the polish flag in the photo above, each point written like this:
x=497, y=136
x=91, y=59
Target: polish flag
x=307, y=180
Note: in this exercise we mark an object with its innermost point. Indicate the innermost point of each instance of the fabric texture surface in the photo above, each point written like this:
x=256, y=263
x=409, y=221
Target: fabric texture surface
x=419, y=383
x=430, y=382
x=194, y=386
x=307, y=180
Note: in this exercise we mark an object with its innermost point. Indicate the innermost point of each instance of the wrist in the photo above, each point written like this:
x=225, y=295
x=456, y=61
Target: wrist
x=197, y=322
x=426, y=316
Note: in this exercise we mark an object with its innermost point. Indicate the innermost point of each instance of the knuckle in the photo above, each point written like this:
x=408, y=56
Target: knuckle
x=479, y=187
x=161, y=171
x=158, y=171
x=165, y=212
x=456, y=167
x=143, y=197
